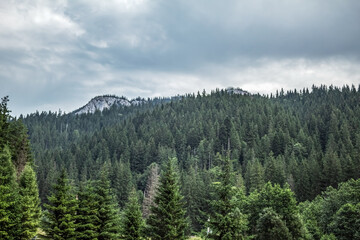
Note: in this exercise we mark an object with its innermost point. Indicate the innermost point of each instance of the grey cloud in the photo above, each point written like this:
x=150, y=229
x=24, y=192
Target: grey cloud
x=65, y=52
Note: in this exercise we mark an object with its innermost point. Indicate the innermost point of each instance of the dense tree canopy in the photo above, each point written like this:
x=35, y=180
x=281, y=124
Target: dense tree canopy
x=299, y=146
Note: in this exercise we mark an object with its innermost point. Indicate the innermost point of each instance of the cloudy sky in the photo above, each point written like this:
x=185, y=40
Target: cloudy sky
x=59, y=54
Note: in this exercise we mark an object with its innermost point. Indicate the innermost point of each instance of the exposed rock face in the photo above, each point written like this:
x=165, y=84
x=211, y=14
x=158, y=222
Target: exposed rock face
x=105, y=102
x=237, y=91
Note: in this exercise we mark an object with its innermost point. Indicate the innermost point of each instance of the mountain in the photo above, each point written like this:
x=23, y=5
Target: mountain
x=106, y=102
x=232, y=90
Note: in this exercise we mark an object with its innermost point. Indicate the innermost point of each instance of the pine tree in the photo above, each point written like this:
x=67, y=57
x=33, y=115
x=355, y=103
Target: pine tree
x=108, y=212
x=133, y=224
x=227, y=221
x=196, y=196
x=87, y=213
x=8, y=197
x=29, y=204
x=4, y=122
x=254, y=175
x=59, y=223
x=167, y=220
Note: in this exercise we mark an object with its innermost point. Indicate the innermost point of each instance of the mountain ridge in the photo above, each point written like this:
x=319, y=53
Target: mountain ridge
x=103, y=102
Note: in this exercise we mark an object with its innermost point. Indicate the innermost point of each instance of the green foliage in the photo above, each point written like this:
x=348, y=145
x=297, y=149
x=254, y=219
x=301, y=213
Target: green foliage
x=29, y=203
x=9, y=214
x=132, y=223
x=227, y=221
x=167, y=219
x=271, y=227
x=59, y=221
x=4, y=122
x=309, y=139
x=335, y=212
x=346, y=223
x=254, y=175
x=108, y=220
x=197, y=195
x=87, y=213
x=328, y=237
x=283, y=203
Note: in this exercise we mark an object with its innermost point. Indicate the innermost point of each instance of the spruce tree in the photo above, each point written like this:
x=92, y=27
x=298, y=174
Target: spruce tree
x=108, y=213
x=59, y=221
x=167, y=219
x=29, y=204
x=87, y=213
x=132, y=224
x=8, y=196
x=4, y=122
x=227, y=221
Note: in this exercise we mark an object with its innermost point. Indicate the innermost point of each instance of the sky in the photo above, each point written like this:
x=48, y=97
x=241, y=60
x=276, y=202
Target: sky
x=58, y=54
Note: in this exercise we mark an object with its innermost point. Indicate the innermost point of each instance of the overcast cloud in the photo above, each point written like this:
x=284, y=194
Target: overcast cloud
x=60, y=54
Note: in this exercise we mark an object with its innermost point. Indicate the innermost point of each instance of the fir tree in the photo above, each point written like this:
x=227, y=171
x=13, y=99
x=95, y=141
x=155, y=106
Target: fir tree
x=29, y=203
x=59, y=222
x=167, y=220
x=227, y=221
x=4, y=122
x=133, y=224
x=8, y=197
x=108, y=212
x=87, y=213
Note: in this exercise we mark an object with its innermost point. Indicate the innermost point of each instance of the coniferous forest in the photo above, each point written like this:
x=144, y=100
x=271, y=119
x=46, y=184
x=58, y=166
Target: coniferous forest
x=216, y=165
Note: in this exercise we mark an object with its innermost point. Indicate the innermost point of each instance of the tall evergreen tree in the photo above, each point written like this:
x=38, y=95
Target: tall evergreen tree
x=59, y=221
x=29, y=204
x=8, y=196
x=227, y=221
x=167, y=220
x=4, y=122
x=132, y=224
x=254, y=175
x=87, y=213
x=108, y=213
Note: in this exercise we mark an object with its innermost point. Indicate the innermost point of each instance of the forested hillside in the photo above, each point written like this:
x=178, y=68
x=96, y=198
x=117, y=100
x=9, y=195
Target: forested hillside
x=310, y=140
x=239, y=164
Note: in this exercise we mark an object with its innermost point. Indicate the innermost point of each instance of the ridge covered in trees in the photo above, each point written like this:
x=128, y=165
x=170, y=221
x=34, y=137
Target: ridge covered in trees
x=241, y=166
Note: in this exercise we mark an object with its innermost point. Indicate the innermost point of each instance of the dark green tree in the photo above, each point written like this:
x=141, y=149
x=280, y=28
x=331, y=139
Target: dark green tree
x=4, y=122
x=282, y=201
x=346, y=223
x=8, y=198
x=196, y=194
x=59, y=221
x=132, y=223
x=254, y=175
x=227, y=221
x=108, y=220
x=271, y=227
x=87, y=213
x=167, y=219
x=29, y=203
